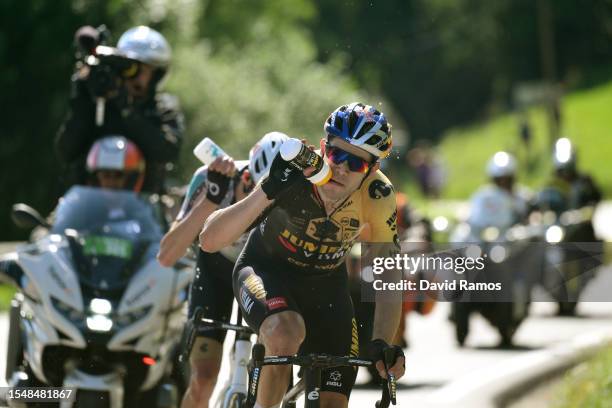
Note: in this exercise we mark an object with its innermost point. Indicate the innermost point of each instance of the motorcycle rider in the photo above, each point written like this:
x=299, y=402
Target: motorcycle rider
x=133, y=107
x=115, y=162
x=212, y=286
x=577, y=189
x=495, y=207
x=501, y=203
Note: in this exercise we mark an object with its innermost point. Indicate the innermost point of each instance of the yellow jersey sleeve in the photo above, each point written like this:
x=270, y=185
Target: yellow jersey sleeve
x=379, y=209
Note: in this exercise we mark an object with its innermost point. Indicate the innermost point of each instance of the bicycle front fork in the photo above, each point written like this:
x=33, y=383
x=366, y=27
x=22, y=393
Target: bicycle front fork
x=312, y=387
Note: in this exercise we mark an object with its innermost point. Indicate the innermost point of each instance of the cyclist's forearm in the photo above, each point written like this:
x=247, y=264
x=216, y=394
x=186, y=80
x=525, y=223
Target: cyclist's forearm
x=386, y=320
x=184, y=232
x=389, y=302
x=225, y=226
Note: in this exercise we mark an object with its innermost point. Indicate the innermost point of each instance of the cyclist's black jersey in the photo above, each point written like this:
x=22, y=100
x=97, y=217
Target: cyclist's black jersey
x=297, y=229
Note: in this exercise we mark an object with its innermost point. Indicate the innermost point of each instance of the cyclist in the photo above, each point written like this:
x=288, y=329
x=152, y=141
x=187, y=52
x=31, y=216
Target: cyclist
x=291, y=279
x=212, y=286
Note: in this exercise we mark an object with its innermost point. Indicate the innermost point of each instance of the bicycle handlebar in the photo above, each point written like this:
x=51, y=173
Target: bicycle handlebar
x=194, y=325
x=209, y=324
x=389, y=386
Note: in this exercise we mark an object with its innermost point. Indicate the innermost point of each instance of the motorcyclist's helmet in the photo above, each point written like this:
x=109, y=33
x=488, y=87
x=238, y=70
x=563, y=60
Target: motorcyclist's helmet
x=502, y=164
x=145, y=45
x=262, y=154
x=564, y=155
x=116, y=162
x=362, y=126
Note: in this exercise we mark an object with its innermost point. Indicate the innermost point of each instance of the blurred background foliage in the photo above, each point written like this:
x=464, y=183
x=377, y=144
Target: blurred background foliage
x=242, y=68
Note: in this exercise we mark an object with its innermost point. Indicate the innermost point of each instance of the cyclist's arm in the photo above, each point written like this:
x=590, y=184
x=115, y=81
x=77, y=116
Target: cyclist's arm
x=226, y=225
x=183, y=232
x=380, y=211
x=194, y=211
x=388, y=310
x=387, y=315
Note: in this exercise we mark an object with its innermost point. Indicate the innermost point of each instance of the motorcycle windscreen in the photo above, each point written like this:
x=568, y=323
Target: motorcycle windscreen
x=111, y=233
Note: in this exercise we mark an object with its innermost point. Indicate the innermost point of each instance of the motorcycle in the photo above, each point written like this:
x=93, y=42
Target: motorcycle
x=572, y=252
x=510, y=260
x=572, y=255
x=95, y=311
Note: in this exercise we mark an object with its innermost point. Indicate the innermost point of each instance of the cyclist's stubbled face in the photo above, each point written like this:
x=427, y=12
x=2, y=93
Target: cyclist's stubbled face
x=344, y=181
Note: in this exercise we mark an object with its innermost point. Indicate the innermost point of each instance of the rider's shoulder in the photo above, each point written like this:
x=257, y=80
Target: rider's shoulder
x=377, y=187
x=199, y=176
x=201, y=171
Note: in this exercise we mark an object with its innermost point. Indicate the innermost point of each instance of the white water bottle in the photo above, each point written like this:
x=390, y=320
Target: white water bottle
x=301, y=157
x=207, y=151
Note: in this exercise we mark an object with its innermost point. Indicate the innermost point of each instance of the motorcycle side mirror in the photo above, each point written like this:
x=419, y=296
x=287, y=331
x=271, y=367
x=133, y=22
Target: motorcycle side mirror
x=26, y=217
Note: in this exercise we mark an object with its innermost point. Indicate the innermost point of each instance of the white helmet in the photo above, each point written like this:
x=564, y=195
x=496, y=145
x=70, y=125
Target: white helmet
x=146, y=45
x=502, y=164
x=263, y=152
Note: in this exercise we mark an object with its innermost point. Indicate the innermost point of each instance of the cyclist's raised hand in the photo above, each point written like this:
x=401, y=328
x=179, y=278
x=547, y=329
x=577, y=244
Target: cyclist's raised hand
x=220, y=172
x=282, y=175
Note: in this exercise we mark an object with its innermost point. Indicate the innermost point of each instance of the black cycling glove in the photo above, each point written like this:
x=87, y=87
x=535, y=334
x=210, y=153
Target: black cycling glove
x=216, y=186
x=375, y=351
x=282, y=175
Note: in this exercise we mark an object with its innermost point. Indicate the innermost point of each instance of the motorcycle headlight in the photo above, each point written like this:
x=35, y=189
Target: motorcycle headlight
x=66, y=310
x=100, y=306
x=473, y=251
x=127, y=319
x=440, y=223
x=554, y=234
x=498, y=254
x=99, y=323
x=490, y=234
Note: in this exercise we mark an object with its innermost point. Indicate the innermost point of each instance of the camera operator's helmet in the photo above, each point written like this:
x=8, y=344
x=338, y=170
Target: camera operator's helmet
x=362, y=126
x=502, y=164
x=143, y=44
x=117, y=156
x=263, y=152
x=564, y=155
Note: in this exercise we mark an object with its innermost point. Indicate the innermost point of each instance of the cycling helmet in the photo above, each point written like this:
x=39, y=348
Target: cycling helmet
x=362, y=126
x=564, y=155
x=502, y=164
x=263, y=152
x=116, y=153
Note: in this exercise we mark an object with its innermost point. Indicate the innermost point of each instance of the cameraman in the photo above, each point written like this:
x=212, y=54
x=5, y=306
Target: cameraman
x=114, y=91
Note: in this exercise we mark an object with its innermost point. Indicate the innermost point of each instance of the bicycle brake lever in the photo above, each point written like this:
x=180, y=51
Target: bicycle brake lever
x=190, y=334
x=389, y=354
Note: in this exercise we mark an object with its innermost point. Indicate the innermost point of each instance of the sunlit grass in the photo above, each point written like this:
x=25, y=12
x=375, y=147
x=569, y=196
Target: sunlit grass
x=588, y=385
x=6, y=294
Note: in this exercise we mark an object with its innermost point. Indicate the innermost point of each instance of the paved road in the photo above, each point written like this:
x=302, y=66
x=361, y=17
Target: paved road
x=434, y=360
